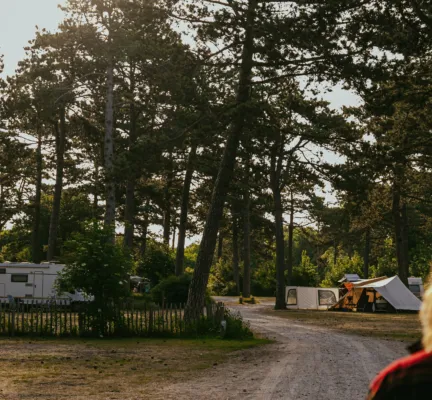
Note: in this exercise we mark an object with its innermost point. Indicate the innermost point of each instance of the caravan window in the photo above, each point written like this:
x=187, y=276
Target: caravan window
x=414, y=288
x=292, y=297
x=22, y=278
x=2, y=270
x=326, y=298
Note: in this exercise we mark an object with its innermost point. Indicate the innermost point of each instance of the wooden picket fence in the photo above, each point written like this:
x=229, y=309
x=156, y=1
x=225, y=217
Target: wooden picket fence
x=61, y=319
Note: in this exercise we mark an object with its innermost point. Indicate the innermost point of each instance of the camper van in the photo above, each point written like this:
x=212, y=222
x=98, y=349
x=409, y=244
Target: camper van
x=309, y=298
x=27, y=283
x=416, y=286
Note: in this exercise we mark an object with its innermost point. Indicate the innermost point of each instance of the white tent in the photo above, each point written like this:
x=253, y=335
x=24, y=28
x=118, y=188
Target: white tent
x=309, y=298
x=394, y=291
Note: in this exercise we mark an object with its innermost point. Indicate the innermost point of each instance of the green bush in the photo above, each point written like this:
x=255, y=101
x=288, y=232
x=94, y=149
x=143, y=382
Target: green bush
x=172, y=290
x=157, y=264
x=97, y=266
x=305, y=274
x=236, y=328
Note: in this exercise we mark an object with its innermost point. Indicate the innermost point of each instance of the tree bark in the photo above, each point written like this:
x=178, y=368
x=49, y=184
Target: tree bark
x=95, y=191
x=220, y=245
x=335, y=252
x=246, y=237
x=399, y=234
x=173, y=237
x=144, y=235
x=167, y=203
x=36, y=244
x=367, y=253
x=197, y=290
x=280, y=256
x=130, y=209
x=60, y=131
x=290, y=242
x=405, y=239
x=235, y=259
x=184, y=209
x=109, y=149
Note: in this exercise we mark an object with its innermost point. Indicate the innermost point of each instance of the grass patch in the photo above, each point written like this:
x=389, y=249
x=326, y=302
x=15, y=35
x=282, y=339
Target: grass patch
x=106, y=369
x=405, y=327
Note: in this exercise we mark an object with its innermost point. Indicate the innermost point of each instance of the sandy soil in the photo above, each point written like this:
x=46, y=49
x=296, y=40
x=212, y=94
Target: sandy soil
x=306, y=361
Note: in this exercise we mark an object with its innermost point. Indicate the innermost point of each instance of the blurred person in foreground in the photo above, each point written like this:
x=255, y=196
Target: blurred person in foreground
x=411, y=377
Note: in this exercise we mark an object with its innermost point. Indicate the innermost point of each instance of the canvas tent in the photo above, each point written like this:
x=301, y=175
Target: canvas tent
x=309, y=298
x=346, y=283
x=379, y=294
x=349, y=278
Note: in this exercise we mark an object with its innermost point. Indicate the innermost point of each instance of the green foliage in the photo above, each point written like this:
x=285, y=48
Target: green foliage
x=221, y=280
x=386, y=263
x=157, y=264
x=344, y=265
x=190, y=256
x=236, y=328
x=172, y=290
x=306, y=273
x=97, y=266
x=14, y=244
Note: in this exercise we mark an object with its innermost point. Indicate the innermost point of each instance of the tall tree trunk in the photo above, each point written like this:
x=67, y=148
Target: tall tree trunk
x=235, y=257
x=144, y=234
x=220, y=245
x=246, y=236
x=173, y=237
x=55, y=214
x=36, y=244
x=405, y=239
x=399, y=236
x=335, y=252
x=197, y=289
x=290, y=242
x=367, y=253
x=109, y=149
x=95, y=191
x=130, y=209
x=280, y=256
x=184, y=209
x=167, y=202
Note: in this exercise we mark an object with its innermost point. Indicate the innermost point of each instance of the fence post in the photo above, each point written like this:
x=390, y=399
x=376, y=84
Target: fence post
x=151, y=321
x=13, y=322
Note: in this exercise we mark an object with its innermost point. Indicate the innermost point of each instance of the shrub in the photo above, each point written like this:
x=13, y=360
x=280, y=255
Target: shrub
x=97, y=266
x=236, y=328
x=157, y=264
x=172, y=290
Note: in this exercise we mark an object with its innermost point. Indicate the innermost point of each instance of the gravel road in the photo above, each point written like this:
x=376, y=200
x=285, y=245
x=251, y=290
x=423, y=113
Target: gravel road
x=304, y=363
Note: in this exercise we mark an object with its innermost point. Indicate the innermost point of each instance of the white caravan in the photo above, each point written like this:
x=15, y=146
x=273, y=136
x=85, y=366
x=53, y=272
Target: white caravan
x=35, y=283
x=416, y=286
x=309, y=298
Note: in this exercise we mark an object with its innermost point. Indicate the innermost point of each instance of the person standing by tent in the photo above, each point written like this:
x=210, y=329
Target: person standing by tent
x=409, y=378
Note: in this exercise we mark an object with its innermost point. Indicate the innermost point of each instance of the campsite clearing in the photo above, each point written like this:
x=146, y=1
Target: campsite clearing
x=388, y=326
x=111, y=369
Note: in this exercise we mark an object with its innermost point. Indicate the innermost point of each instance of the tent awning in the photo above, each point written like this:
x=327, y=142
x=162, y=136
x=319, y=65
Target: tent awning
x=395, y=292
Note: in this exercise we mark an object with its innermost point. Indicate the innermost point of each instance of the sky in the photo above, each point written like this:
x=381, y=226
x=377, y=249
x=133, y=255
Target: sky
x=18, y=20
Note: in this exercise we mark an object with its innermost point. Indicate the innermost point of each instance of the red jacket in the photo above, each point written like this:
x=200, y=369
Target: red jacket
x=408, y=378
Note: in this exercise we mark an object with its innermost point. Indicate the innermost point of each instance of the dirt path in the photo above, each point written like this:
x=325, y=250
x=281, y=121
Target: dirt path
x=305, y=362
